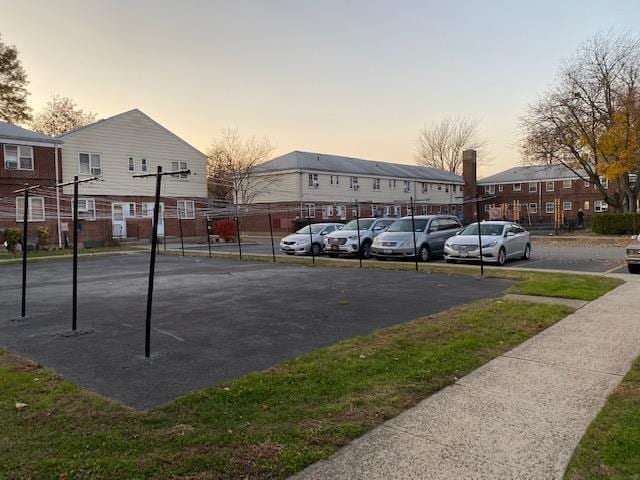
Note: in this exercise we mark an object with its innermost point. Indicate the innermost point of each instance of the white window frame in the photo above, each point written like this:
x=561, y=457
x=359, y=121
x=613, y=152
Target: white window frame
x=605, y=183
x=330, y=210
x=517, y=188
x=548, y=183
x=19, y=156
x=501, y=188
x=397, y=211
x=567, y=184
x=93, y=170
x=183, y=212
x=341, y=211
x=587, y=184
x=600, y=206
x=179, y=165
x=20, y=214
x=490, y=189
x=131, y=167
x=425, y=187
x=566, y=206
x=586, y=205
x=533, y=208
x=376, y=184
x=144, y=165
x=533, y=187
x=147, y=209
x=129, y=209
x=407, y=186
x=86, y=205
x=374, y=210
x=313, y=180
x=311, y=210
x=549, y=210
x=354, y=183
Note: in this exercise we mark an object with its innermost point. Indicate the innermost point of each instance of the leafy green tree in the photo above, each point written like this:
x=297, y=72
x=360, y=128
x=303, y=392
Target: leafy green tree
x=13, y=86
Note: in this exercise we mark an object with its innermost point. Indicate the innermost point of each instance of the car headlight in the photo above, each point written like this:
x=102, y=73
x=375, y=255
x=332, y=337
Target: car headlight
x=632, y=251
x=376, y=241
x=353, y=237
x=303, y=242
x=490, y=244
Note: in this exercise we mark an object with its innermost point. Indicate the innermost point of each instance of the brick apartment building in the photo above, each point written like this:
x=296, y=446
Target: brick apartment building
x=28, y=157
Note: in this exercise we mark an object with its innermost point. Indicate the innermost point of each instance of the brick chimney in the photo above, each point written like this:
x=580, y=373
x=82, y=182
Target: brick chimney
x=470, y=183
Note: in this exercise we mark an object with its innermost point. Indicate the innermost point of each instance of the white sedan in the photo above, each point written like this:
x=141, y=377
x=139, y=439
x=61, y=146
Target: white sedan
x=501, y=241
x=303, y=243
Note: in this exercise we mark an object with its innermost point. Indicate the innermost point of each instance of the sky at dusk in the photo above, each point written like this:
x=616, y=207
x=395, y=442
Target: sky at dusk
x=356, y=78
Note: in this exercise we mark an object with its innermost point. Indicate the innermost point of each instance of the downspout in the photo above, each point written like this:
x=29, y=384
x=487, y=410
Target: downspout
x=55, y=148
x=300, y=191
x=540, y=201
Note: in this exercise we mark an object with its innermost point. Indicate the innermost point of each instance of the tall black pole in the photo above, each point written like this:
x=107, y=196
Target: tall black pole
x=273, y=248
x=238, y=234
x=25, y=220
x=313, y=256
x=413, y=229
x=152, y=265
x=358, y=227
x=181, y=237
x=74, y=308
x=206, y=219
x=479, y=236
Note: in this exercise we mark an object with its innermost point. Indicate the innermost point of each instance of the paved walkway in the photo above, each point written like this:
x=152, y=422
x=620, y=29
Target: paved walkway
x=518, y=417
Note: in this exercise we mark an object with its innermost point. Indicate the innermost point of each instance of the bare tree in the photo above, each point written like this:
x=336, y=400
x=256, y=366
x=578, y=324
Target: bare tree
x=589, y=120
x=441, y=145
x=13, y=86
x=61, y=115
x=233, y=164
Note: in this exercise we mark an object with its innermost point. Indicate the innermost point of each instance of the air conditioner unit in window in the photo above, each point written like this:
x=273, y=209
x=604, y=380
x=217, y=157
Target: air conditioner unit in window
x=356, y=187
x=96, y=171
x=407, y=189
x=11, y=165
x=316, y=184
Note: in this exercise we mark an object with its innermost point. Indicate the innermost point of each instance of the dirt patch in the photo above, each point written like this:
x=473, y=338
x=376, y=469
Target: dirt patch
x=18, y=364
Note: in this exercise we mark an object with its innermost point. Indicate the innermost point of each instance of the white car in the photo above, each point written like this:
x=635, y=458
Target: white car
x=303, y=243
x=501, y=241
x=346, y=240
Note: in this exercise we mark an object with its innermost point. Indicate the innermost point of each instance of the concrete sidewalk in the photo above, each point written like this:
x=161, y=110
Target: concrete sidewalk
x=518, y=417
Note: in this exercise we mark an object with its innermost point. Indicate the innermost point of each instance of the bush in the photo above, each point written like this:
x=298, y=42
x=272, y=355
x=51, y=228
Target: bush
x=298, y=223
x=616, y=223
x=12, y=236
x=226, y=229
x=43, y=235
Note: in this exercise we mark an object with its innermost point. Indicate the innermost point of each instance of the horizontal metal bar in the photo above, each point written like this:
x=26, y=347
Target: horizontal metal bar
x=22, y=190
x=174, y=172
x=84, y=180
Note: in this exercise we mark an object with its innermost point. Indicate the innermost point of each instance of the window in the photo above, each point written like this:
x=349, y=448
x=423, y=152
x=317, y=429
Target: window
x=87, y=208
x=517, y=187
x=586, y=205
x=387, y=211
x=376, y=184
x=425, y=209
x=533, y=187
x=310, y=210
x=397, y=211
x=354, y=183
x=36, y=209
x=439, y=187
x=132, y=167
x=179, y=166
x=566, y=206
x=487, y=207
x=394, y=184
x=600, y=206
x=549, y=207
x=586, y=184
x=313, y=180
x=533, y=208
x=186, y=209
x=566, y=183
x=18, y=157
x=408, y=207
x=490, y=189
x=89, y=164
x=446, y=188
x=143, y=165
x=129, y=209
x=407, y=186
x=605, y=182
x=335, y=180
x=549, y=186
x=341, y=211
x=329, y=210
x=501, y=188
x=390, y=183
x=374, y=211
x=425, y=187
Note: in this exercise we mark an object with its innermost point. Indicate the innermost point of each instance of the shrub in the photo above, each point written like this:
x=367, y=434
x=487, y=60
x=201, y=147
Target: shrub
x=43, y=235
x=12, y=236
x=226, y=229
x=616, y=223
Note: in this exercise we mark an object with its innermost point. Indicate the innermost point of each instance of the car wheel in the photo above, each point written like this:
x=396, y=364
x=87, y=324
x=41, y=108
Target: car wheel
x=315, y=249
x=502, y=256
x=527, y=252
x=365, y=250
x=424, y=254
x=633, y=268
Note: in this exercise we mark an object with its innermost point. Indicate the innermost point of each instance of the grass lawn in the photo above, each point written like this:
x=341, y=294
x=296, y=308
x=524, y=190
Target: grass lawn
x=16, y=257
x=264, y=425
x=611, y=447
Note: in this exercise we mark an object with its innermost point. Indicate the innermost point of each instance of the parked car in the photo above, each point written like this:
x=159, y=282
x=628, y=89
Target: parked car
x=632, y=255
x=346, y=240
x=303, y=243
x=431, y=231
x=501, y=241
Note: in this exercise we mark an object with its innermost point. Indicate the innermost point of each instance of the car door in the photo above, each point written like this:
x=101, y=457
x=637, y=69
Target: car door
x=510, y=242
x=452, y=227
x=435, y=235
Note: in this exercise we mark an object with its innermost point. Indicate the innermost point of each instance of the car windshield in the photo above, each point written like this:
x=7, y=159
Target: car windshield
x=353, y=225
x=406, y=225
x=490, y=229
x=317, y=228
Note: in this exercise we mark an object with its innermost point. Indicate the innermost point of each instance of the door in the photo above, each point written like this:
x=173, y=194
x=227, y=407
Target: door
x=148, y=212
x=511, y=241
x=118, y=221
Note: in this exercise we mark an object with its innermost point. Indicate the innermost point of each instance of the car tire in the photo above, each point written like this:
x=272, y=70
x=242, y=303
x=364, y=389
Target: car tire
x=424, y=254
x=633, y=268
x=365, y=250
x=502, y=256
x=381, y=259
x=527, y=253
x=316, y=249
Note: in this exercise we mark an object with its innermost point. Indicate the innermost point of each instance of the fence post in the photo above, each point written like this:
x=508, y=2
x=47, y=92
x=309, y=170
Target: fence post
x=180, y=225
x=413, y=229
x=206, y=219
x=74, y=315
x=273, y=249
x=313, y=257
x=479, y=237
x=238, y=233
x=25, y=219
x=358, y=228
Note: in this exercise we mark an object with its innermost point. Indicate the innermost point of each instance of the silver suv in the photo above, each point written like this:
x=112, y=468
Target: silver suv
x=346, y=240
x=431, y=231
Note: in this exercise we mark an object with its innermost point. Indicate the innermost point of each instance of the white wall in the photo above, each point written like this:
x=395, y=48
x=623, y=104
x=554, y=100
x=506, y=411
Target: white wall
x=133, y=134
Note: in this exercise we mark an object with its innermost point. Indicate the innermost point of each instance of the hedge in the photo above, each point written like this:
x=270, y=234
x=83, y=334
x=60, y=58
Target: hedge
x=616, y=223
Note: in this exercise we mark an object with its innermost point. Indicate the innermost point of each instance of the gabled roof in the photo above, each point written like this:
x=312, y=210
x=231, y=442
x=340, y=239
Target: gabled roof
x=531, y=174
x=9, y=131
x=309, y=161
x=123, y=114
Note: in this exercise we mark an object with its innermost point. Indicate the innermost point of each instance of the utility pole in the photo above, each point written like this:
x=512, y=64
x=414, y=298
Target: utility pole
x=154, y=243
x=25, y=225
x=358, y=227
x=75, y=183
x=413, y=230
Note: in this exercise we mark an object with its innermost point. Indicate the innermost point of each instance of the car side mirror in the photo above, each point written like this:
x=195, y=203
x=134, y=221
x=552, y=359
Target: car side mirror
x=510, y=234
x=323, y=233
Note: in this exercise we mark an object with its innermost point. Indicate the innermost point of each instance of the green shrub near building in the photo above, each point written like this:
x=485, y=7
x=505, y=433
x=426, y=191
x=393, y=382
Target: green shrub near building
x=616, y=223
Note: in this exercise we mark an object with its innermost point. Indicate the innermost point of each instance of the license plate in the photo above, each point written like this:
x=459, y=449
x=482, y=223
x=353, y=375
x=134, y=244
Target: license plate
x=464, y=254
x=388, y=252
x=334, y=247
x=286, y=248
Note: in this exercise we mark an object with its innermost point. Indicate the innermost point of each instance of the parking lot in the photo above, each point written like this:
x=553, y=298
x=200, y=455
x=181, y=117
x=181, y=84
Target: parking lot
x=544, y=256
x=213, y=320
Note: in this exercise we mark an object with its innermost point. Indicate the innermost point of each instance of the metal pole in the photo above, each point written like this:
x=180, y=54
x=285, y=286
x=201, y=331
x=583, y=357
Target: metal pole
x=74, y=314
x=413, y=229
x=273, y=248
x=181, y=238
x=152, y=265
x=479, y=237
x=238, y=234
x=358, y=228
x=25, y=218
x=313, y=257
x=206, y=219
